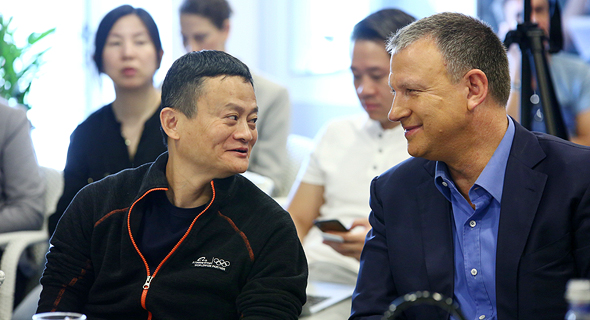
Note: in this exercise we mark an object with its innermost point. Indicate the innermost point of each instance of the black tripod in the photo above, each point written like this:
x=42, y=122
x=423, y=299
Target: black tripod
x=531, y=41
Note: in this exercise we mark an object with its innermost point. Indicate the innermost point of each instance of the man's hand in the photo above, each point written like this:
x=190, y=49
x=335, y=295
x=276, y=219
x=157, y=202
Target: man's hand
x=354, y=240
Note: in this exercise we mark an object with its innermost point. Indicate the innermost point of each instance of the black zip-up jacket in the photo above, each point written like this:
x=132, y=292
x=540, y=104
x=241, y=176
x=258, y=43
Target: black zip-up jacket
x=240, y=258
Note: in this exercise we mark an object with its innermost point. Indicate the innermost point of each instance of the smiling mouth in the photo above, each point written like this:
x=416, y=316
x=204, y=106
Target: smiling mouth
x=240, y=150
x=410, y=129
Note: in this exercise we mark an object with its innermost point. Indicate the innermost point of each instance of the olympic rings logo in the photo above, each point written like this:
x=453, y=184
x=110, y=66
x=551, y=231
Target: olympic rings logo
x=220, y=262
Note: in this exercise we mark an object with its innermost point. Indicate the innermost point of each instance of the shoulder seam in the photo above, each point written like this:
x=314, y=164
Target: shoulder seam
x=108, y=215
x=242, y=234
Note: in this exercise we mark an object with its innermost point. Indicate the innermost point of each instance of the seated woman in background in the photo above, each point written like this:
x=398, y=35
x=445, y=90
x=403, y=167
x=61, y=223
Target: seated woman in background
x=125, y=133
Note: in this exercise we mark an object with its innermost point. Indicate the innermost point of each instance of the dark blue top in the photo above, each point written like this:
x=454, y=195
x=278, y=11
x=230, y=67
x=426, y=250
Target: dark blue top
x=162, y=226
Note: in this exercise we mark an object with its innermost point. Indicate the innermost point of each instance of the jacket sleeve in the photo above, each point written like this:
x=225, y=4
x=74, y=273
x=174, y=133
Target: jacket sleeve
x=375, y=289
x=21, y=186
x=68, y=273
x=581, y=225
x=278, y=279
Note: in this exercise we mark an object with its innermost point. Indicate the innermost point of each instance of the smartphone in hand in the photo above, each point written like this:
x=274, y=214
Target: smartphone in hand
x=330, y=225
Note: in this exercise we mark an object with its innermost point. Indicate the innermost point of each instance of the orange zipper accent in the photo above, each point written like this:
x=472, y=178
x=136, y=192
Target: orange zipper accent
x=147, y=268
x=146, y=285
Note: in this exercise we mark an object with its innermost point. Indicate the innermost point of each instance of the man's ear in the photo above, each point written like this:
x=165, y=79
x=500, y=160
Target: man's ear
x=477, y=82
x=169, y=118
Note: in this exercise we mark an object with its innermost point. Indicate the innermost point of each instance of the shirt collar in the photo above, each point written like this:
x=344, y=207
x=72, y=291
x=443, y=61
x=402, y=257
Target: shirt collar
x=492, y=176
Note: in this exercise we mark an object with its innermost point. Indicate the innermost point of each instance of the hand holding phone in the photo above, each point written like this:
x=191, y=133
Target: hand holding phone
x=330, y=225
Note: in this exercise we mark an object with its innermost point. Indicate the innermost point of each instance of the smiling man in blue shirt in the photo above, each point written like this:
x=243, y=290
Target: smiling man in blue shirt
x=488, y=213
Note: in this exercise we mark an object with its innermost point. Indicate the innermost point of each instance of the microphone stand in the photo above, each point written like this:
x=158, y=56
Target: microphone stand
x=531, y=41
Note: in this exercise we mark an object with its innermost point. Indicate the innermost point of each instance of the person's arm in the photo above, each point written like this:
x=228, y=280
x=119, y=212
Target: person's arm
x=278, y=277
x=375, y=289
x=22, y=186
x=68, y=273
x=582, y=105
x=514, y=60
x=354, y=240
x=582, y=128
x=270, y=157
x=305, y=207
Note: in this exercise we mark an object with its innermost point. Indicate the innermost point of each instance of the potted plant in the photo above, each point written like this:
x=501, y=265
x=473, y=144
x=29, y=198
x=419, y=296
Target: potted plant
x=18, y=67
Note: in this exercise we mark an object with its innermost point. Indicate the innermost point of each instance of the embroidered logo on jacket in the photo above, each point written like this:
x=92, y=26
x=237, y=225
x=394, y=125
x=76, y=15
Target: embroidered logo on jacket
x=215, y=263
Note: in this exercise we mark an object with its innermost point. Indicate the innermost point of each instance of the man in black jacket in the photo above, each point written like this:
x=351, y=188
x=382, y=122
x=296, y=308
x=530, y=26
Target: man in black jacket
x=184, y=237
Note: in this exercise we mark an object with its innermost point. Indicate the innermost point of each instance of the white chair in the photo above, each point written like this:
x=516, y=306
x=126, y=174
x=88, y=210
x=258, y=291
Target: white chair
x=14, y=243
x=298, y=148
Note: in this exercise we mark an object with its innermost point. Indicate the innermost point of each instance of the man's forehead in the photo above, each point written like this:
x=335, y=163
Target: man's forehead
x=225, y=90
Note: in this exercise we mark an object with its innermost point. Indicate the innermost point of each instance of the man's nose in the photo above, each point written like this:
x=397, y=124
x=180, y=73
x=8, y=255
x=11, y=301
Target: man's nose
x=397, y=111
x=365, y=88
x=244, y=132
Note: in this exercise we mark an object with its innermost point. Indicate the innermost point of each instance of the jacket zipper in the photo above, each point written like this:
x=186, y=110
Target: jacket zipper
x=146, y=285
x=150, y=277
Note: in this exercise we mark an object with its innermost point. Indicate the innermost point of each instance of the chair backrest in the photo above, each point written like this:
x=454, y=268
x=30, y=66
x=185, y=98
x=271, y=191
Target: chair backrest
x=15, y=243
x=54, y=185
x=298, y=148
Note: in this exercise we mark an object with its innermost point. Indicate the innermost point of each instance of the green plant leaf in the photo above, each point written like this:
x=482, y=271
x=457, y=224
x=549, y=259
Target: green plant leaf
x=17, y=69
x=34, y=37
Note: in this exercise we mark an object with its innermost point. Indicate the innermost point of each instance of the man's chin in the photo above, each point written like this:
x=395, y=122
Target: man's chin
x=237, y=170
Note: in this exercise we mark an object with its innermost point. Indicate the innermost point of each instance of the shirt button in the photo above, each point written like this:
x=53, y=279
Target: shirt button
x=472, y=223
x=473, y=272
x=90, y=180
x=380, y=150
x=445, y=184
x=483, y=316
x=375, y=167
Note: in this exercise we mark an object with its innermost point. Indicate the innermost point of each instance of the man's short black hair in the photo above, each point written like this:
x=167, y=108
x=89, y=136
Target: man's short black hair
x=183, y=84
x=380, y=25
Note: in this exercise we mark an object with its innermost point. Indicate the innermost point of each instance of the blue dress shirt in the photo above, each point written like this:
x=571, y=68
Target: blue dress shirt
x=475, y=232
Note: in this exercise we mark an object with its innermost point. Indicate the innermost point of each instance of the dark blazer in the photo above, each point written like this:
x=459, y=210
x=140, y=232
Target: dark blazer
x=543, y=235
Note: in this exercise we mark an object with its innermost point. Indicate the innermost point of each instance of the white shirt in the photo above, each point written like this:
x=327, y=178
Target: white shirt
x=349, y=153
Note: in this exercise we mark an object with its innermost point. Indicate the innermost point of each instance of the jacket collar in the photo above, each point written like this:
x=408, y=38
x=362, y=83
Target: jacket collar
x=155, y=178
x=523, y=189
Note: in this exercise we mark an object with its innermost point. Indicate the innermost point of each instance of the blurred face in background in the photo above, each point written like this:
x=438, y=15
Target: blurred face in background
x=514, y=14
x=370, y=69
x=129, y=55
x=199, y=33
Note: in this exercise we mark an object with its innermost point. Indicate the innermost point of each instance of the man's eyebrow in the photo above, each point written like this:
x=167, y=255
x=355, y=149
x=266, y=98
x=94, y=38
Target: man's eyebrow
x=409, y=83
x=239, y=108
